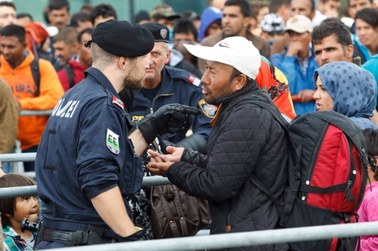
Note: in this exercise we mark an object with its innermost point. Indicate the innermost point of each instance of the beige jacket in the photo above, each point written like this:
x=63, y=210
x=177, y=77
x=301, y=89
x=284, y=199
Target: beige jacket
x=8, y=118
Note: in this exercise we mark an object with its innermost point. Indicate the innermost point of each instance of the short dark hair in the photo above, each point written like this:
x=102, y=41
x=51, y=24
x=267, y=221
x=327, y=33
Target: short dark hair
x=78, y=17
x=371, y=1
x=274, y=5
x=68, y=35
x=81, y=33
x=185, y=26
x=368, y=15
x=245, y=8
x=103, y=10
x=332, y=26
x=8, y=205
x=58, y=4
x=14, y=30
x=24, y=14
x=371, y=138
x=8, y=4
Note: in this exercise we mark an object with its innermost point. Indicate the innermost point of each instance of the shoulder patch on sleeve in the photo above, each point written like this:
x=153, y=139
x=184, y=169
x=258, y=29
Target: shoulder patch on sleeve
x=118, y=102
x=194, y=80
x=207, y=109
x=112, y=141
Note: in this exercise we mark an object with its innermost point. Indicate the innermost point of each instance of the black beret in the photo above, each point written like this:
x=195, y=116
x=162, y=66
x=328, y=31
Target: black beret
x=121, y=38
x=159, y=31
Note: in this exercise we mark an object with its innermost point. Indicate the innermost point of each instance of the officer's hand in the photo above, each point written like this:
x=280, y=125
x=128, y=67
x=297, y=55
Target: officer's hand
x=169, y=118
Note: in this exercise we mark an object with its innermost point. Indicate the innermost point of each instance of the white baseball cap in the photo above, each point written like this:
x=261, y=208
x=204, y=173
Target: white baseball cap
x=237, y=52
x=299, y=23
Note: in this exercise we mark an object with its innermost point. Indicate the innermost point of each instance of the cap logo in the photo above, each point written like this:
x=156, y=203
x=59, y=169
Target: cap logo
x=294, y=20
x=224, y=44
x=163, y=33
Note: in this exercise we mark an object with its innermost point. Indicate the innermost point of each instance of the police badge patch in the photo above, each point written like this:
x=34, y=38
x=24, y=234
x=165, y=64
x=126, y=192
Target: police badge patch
x=207, y=109
x=112, y=141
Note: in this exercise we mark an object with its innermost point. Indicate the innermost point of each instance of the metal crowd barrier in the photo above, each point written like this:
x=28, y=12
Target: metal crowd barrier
x=32, y=190
x=232, y=240
x=207, y=242
x=35, y=112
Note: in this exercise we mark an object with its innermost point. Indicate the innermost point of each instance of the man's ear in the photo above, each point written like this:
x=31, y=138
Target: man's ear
x=169, y=52
x=241, y=81
x=122, y=62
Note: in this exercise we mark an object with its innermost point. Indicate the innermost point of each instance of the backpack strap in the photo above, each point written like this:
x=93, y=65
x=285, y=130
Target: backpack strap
x=350, y=129
x=36, y=75
x=290, y=192
x=70, y=74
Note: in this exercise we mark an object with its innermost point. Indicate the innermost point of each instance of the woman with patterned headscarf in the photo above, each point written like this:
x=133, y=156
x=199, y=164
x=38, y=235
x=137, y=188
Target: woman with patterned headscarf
x=347, y=89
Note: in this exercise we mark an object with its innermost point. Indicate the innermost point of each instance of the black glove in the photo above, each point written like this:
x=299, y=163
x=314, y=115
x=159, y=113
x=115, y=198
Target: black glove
x=195, y=141
x=169, y=118
x=134, y=237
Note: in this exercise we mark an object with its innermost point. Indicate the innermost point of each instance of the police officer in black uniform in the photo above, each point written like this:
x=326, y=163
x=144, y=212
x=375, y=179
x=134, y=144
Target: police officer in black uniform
x=166, y=85
x=87, y=161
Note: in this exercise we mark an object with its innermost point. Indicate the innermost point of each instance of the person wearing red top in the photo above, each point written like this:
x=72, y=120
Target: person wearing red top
x=73, y=72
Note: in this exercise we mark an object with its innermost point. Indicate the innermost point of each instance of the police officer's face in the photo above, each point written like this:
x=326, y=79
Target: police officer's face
x=218, y=81
x=156, y=59
x=134, y=73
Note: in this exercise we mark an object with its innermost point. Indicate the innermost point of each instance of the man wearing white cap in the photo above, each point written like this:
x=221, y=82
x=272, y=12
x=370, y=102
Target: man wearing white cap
x=298, y=63
x=246, y=145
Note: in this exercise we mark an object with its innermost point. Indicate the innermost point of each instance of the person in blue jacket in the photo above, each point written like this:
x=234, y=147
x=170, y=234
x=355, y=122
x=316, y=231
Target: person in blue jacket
x=298, y=63
x=166, y=85
x=88, y=159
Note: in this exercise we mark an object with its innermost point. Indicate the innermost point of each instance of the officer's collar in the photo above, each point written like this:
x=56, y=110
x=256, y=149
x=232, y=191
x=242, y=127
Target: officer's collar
x=101, y=78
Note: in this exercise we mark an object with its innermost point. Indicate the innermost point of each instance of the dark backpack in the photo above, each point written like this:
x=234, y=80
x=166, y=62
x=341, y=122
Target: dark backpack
x=327, y=173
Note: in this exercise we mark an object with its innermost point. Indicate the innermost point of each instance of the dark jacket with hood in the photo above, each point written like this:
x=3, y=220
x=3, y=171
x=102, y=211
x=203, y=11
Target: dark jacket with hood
x=245, y=141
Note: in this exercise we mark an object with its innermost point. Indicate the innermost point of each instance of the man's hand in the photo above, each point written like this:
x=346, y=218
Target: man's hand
x=169, y=118
x=160, y=163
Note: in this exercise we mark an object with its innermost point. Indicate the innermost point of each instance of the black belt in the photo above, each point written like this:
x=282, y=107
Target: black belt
x=76, y=238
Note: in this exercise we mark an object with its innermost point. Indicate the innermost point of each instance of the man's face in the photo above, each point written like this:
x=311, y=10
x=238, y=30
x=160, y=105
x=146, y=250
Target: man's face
x=178, y=37
x=356, y=5
x=85, y=52
x=63, y=51
x=217, y=82
x=135, y=73
x=7, y=16
x=59, y=18
x=331, y=8
x=233, y=21
x=367, y=34
x=301, y=39
x=330, y=50
x=156, y=59
x=302, y=7
x=12, y=49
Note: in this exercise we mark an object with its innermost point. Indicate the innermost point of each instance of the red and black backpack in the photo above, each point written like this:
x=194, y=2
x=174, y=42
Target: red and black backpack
x=327, y=174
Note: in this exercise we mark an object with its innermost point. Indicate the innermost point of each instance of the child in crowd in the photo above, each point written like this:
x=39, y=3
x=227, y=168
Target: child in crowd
x=15, y=211
x=369, y=208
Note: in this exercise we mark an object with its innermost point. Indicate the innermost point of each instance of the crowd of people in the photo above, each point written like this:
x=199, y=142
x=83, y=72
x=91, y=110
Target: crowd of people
x=165, y=94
